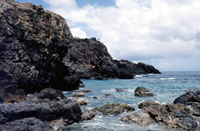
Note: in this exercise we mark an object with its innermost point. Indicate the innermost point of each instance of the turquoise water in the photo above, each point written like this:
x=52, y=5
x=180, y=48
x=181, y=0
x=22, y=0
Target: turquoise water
x=166, y=87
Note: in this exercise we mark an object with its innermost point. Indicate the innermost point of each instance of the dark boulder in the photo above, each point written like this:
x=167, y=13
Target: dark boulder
x=50, y=93
x=99, y=78
x=189, y=97
x=114, y=109
x=43, y=109
x=142, y=92
x=26, y=124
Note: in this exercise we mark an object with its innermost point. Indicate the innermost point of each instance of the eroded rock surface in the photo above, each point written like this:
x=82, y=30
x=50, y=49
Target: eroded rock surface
x=192, y=96
x=33, y=42
x=114, y=109
x=138, y=117
x=173, y=115
x=147, y=103
x=26, y=124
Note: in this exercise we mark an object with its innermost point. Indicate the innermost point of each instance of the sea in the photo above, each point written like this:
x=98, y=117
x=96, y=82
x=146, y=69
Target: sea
x=166, y=88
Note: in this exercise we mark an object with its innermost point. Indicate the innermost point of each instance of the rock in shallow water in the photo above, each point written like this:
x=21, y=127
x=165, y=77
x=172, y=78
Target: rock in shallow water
x=78, y=94
x=87, y=114
x=86, y=90
x=138, y=117
x=147, y=103
x=80, y=101
x=114, y=109
x=142, y=92
x=173, y=115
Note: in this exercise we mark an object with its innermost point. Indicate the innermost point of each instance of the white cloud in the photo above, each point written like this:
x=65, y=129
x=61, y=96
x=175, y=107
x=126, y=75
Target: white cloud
x=77, y=32
x=140, y=29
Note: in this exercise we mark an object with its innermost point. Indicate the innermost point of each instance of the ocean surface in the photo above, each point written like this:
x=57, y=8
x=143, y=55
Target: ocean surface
x=166, y=87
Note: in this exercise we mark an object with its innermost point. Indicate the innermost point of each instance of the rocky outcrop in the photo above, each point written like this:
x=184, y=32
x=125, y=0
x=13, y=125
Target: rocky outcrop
x=192, y=96
x=49, y=105
x=142, y=92
x=148, y=68
x=33, y=42
x=90, y=58
x=138, y=117
x=26, y=124
x=174, y=116
x=114, y=109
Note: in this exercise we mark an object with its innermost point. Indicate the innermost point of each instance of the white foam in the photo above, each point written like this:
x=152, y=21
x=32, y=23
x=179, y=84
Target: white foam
x=138, y=76
x=167, y=78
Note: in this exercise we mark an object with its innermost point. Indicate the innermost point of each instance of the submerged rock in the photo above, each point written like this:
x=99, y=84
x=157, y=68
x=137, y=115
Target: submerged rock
x=114, y=109
x=147, y=103
x=142, y=92
x=87, y=114
x=86, y=90
x=138, y=117
x=189, y=97
x=26, y=124
x=78, y=94
x=120, y=90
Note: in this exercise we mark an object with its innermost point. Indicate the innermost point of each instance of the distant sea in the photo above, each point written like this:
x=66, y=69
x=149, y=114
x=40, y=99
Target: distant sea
x=166, y=87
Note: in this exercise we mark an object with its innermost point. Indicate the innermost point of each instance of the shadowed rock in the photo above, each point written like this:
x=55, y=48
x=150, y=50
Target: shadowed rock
x=45, y=110
x=50, y=93
x=26, y=124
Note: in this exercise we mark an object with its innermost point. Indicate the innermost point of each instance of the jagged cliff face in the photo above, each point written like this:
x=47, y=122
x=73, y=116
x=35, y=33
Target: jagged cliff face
x=90, y=58
x=33, y=42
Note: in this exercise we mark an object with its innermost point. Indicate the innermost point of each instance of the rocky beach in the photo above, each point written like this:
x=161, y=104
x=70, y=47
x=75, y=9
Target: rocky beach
x=45, y=76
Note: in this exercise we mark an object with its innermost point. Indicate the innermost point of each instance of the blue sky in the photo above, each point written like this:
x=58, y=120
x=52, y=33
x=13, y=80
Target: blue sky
x=164, y=33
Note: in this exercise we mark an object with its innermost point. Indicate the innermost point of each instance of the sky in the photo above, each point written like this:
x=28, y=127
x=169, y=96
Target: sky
x=163, y=33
